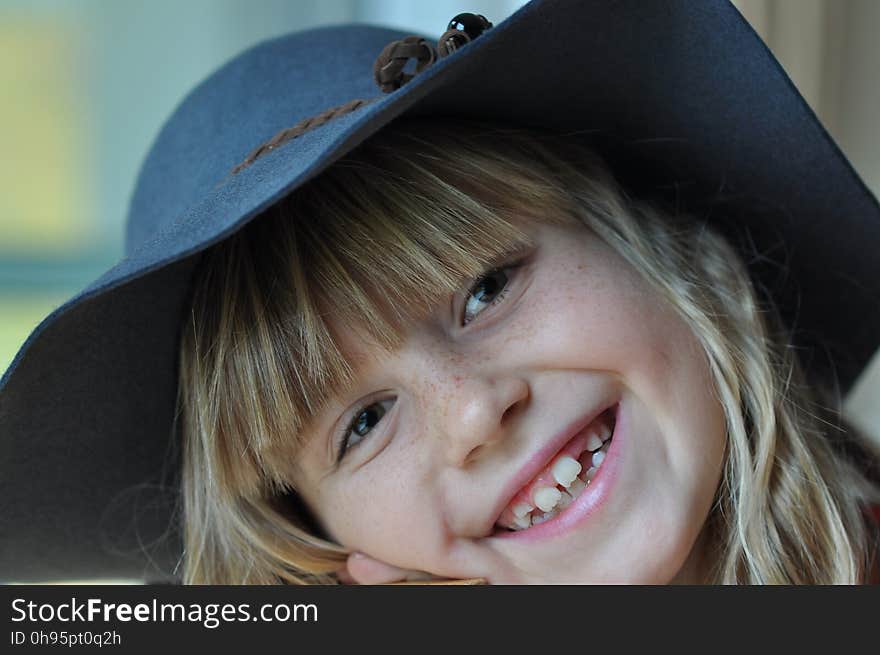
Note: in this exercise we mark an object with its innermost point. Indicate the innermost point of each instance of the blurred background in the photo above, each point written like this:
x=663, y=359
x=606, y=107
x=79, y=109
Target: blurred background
x=88, y=83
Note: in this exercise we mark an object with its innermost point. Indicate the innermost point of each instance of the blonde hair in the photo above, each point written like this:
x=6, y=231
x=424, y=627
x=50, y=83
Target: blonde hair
x=409, y=215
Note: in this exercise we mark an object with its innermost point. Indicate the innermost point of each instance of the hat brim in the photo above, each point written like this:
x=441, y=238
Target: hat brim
x=682, y=97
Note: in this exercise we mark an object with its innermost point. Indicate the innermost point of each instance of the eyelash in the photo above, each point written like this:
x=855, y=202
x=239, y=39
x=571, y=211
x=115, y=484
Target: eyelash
x=342, y=440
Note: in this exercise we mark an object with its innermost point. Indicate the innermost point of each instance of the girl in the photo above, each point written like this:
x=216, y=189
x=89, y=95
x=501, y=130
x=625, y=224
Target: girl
x=398, y=335
x=463, y=350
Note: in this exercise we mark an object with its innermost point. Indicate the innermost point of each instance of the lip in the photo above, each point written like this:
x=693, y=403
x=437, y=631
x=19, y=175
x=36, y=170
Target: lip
x=541, y=459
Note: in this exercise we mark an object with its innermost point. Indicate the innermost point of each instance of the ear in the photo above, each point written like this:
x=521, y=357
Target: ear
x=363, y=569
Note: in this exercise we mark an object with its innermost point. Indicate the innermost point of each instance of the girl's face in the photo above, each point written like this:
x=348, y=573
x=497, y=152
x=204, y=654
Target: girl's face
x=466, y=421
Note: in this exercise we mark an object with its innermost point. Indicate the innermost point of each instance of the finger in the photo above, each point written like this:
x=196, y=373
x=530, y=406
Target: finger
x=344, y=576
x=366, y=570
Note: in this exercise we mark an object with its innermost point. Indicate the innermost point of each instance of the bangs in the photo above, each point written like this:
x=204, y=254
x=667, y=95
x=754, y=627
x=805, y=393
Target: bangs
x=374, y=243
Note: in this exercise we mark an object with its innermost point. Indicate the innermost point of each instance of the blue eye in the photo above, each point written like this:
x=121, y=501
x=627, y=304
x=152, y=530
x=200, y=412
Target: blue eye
x=490, y=289
x=362, y=423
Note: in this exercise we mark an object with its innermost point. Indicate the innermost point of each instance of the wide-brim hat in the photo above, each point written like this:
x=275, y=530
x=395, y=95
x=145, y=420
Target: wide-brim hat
x=680, y=96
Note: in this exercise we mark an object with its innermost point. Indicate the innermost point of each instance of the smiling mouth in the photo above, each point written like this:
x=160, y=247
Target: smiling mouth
x=566, y=477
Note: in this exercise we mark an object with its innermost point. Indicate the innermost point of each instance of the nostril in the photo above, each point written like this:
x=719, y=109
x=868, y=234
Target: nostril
x=512, y=410
x=473, y=455
x=518, y=399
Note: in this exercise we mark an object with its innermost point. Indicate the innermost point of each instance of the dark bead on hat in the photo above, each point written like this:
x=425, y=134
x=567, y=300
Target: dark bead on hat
x=471, y=24
x=461, y=30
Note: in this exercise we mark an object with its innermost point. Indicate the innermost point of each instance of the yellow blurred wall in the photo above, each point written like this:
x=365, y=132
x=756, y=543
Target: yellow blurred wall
x=45, y=200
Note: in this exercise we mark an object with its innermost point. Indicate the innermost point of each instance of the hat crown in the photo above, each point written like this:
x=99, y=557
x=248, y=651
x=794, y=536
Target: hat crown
x=263, y=90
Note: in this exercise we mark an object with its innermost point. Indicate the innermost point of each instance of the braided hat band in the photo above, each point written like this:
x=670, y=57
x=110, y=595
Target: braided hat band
x=389, y=74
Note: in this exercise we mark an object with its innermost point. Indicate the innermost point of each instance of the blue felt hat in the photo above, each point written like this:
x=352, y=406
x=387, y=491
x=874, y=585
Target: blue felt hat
x=681, y=96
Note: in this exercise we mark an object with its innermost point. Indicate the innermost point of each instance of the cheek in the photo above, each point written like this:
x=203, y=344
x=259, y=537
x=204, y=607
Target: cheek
x=390, y=516
x=607, y=319
x=602, y=318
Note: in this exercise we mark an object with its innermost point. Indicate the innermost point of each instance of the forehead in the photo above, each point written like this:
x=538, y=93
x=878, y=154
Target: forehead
x=359, y=349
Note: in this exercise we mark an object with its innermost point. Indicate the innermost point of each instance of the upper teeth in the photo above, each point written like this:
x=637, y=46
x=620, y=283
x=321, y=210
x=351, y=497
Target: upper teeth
x=568, y=473
x=565, y=469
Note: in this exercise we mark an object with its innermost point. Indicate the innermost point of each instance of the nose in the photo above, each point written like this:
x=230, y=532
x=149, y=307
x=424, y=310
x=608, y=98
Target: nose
x=480, y=411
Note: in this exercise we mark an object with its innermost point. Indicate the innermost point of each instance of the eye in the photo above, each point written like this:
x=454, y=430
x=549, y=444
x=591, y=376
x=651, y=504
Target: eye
x=490, y=289
x=363, y=421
